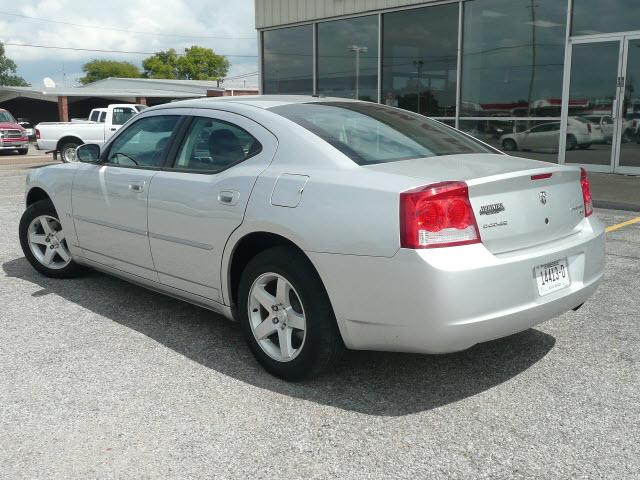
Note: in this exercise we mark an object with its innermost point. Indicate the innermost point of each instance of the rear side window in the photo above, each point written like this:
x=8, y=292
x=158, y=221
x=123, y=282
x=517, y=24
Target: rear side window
x=122, y=114
x=369, y=133
x=212, y=145
x=94, y=116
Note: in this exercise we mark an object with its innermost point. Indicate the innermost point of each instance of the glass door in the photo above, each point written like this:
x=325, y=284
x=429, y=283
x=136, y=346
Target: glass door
x=590, y=104
x=628, y=158
x=601, y=104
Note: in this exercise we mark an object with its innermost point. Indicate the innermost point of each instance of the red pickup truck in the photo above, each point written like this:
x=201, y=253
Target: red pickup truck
x=12, y=135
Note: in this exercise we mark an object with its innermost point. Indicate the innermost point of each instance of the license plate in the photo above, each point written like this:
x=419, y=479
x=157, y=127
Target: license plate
x=552, y=277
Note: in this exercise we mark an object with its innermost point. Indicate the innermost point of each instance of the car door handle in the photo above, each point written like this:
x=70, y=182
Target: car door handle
x=228, y=197
x=113, y=129
x=136, y=187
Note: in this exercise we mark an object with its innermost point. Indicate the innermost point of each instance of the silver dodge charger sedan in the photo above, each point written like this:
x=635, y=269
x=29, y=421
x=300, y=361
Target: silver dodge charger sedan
x=321, y=224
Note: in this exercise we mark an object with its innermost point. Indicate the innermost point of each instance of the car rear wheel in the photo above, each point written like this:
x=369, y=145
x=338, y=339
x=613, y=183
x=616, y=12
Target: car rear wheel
x=286, y=315
x=23, y=151
x=572, y=143
x=44, y=243
x=68, y=152
x=509, y=145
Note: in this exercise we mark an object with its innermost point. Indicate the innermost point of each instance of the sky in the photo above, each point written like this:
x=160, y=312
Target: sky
x=228, y=27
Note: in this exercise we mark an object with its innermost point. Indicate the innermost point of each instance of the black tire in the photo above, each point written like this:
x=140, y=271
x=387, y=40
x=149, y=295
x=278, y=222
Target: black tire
x=509, y=145
x=572, y=142
x=323, y=344
x=66, y=156
x=23, y=151
x=584, y=146
x=43, y=207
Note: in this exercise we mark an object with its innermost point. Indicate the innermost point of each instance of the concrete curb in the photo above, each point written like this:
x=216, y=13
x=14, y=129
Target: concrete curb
x=629, y=207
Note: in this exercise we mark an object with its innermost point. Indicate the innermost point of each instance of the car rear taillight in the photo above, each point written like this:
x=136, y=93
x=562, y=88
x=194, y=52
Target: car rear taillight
x=589, y=127
x=438, y=215
x=634, y=124
x=586, y=193
x=37, y=134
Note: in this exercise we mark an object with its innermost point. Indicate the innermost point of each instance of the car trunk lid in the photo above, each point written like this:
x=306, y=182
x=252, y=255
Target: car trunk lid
x=518, y=203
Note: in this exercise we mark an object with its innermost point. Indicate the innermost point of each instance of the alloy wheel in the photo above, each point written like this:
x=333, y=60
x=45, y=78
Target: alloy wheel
x=277, y=317
x=47, y=242
x=69, y=154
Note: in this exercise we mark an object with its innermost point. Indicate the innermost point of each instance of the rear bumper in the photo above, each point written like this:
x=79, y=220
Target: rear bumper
x=46, y=144
x=445, y=300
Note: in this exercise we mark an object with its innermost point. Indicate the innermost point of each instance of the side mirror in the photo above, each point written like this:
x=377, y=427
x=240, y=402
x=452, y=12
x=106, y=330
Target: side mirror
x=88, y=153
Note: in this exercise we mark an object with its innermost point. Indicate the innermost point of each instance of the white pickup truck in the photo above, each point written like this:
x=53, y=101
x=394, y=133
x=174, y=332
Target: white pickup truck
x=64, y=137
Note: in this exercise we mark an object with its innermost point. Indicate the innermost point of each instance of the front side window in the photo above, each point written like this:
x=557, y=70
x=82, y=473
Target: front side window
x=212, y=145
x=369, y=133
x=143, y=143
x=103, y=117
x=122, y=114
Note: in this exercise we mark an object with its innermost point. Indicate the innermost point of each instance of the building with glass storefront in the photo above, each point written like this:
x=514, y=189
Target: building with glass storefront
x=557, y=80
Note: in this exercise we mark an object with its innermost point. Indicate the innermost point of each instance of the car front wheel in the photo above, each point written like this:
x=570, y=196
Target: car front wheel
x=286, y=315
x=44, y=243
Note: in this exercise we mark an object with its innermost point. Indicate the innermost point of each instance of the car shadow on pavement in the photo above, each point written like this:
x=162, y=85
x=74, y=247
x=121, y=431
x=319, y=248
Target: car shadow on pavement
x=374, y=383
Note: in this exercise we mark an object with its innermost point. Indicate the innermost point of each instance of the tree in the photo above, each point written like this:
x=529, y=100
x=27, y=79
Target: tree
x=197, y=63
x=7, y=71
x=161, y=65
x=99, y=69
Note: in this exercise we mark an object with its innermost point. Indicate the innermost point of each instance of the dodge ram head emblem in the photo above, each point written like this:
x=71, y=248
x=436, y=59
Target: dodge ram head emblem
x=543, y=197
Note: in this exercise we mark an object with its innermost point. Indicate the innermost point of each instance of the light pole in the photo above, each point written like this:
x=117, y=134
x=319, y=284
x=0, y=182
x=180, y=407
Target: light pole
x=358, y=50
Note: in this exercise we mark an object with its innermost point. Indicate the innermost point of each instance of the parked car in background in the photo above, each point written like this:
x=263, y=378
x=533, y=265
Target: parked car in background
x=321, y=223
x=65, y=137
x=631, y=132
x=29, y=128
x=546, y=136
x=13, y=137
x=602, y=127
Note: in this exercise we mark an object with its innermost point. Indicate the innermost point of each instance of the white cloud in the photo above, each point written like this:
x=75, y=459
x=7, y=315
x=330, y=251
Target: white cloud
x=195, y=18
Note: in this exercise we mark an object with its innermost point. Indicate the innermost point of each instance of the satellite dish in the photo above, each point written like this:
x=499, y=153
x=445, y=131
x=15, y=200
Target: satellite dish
x=48, y=82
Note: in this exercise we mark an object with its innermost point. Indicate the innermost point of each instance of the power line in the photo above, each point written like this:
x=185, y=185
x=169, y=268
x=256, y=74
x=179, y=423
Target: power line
x=96, y=50
x=97, y=27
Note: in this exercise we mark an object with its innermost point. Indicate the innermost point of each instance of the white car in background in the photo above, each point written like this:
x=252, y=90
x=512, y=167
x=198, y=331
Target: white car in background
x=65, y=137
x=602, y=127
x=546, y=136
x=322, y=223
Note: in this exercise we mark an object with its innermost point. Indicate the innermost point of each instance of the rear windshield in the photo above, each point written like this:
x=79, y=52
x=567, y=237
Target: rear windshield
x=370, y=133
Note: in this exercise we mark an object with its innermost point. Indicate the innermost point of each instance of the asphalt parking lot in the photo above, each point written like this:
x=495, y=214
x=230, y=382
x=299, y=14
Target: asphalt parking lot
x=102, y=379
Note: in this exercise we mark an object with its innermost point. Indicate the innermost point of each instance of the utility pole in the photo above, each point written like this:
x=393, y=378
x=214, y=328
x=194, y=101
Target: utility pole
x=418, y=64
x=358, y=50
x=534, y=59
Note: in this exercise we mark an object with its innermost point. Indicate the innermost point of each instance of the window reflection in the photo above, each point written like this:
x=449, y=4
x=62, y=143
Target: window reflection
x=419, y=61
x=288, y=60
x=604, y=16
x=348, y=58
x=513, y=57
